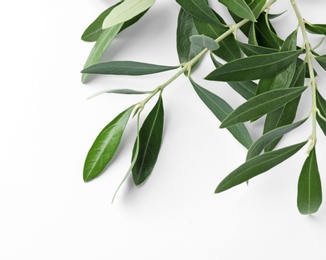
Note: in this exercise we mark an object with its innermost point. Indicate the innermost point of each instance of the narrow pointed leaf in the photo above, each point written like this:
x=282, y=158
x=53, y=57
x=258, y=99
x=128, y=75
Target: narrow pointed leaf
x=200, y=10
x=150, y=138
x=251, y=50
x=257, y=165
x=240, y=8
x=269, y=137
x=256, y=6
x=131, y=68
x=262, y=104
x=186, y=28
x=127, y=10
x=246, y=89
x=100, y=46
x=309, y=186
x=105, y=146
x=285, y=115
x=316, y=28
x=221, y=109
x=254, y=67
x=252, y=37
x=205, y=42
x=321, y=104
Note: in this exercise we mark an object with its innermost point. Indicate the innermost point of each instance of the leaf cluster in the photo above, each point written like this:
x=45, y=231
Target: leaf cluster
x=269, y=72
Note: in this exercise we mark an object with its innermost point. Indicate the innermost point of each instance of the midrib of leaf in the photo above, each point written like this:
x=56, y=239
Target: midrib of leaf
x=263, y=35
x=309, y=184
x=201, y=9
x=150, y=136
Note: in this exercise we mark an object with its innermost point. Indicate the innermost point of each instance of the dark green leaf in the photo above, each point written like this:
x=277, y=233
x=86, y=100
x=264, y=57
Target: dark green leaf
x=186, y=28
x=105, y=146
x=229, y=50
x=221, y=109
x=150, y=138
x=200, y=10
x=262, y=104
x=257, y=165
x=246, y=89
x=290, y=43
x=316, y=28
x=286, y=114
x=131, y=68
x=104, y=41
x=273, y=16
x=256, y=6
x=94, y=30
x=321, y=104
x=240, y=8
x=271, y=136
x=254, y=67
x=309, y=186
x=205, y=42
x=252, y=37
x=322, y=61
x=251, y=50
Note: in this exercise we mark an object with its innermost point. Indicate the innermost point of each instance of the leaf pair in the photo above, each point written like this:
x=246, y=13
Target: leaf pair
x=147, y=150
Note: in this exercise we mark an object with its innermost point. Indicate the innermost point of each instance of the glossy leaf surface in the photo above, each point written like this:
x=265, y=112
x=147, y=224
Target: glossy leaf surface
x=131, y=68
x=257, y=165
x=262, y=104
x=150, y=138
x=240, y=8
x=309, y=186
x=269, y=137
x=105, y=146
x=254, y=67
x=221, y=109
x=127, y=10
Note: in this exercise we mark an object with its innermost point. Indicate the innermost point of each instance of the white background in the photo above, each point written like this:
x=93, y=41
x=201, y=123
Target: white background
x=47, y=127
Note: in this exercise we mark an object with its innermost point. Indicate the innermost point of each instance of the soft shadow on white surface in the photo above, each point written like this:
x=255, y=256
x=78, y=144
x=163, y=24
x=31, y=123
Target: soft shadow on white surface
x=47, y=212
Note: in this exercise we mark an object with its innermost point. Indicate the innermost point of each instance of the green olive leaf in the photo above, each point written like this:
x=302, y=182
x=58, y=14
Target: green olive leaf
x=200, y=10
x=261, y=105
x=257, y=165
x=252, y=50
x=316, y=28
x=321, y=104
x=205, y=42
x=221, y=109
x=309, y=186
x=127, y=10
x=150, y=138
x=252, y=37
x=131, y=68
x=246, y=89
x=240, y=8
x=257, y=147
x=104, y=41
x=254, y=67
x=105, y=146
x=186, y=28
x=322, y=61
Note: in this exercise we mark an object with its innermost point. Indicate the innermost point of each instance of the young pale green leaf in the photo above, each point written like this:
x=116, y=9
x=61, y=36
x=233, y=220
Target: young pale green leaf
x=221, y=109
x=186, y=28
x=309, y=186
x=200, y=10
x=321, y=104
x=205, y=42
x=286, y=114
x=322, y=61
x=240, y=8
x=246, y=89
x=316, y=28
x=150, y=138
x=127, y=10
x=261, y=105
x=105, y=146
x=229, y=50
x=100, y=46
x=254, y=67
x=131, y=68
x=257, y=165
x=257, y=147
x=94, y=30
